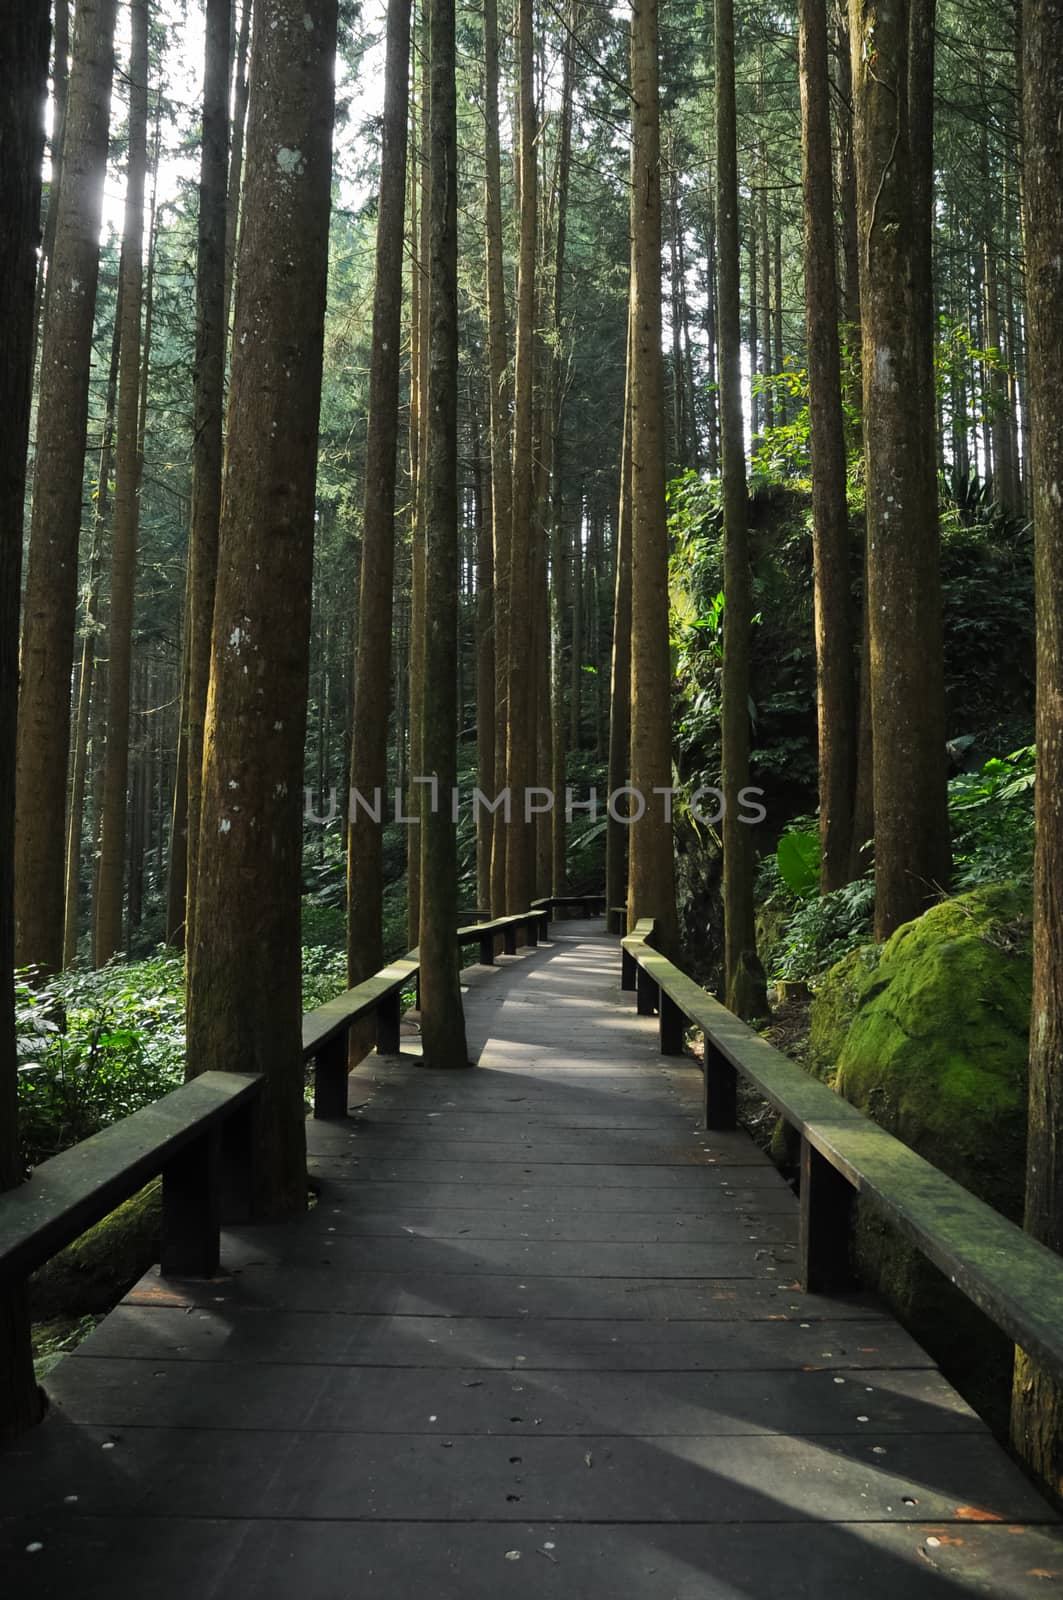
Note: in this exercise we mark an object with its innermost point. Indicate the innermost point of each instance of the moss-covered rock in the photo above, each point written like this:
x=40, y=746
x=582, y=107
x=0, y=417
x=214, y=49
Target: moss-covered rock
x=932, y=1037
x=928, y=1034
x=92, y=1274
x=833, y=1008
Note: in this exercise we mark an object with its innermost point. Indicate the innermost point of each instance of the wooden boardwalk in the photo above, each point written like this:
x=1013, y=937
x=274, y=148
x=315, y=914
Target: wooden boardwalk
x=537, y=1338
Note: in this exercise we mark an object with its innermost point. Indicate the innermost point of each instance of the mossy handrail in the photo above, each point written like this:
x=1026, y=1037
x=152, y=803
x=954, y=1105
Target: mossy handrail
x=1016, y=1281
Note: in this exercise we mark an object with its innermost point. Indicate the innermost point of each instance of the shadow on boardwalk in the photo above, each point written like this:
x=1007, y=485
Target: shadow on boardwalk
x=539, y=1336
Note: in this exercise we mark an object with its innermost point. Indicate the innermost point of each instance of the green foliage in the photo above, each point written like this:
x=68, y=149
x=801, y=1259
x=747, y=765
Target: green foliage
x=992, y=819
x=822, y=929
x=798, y=858
x=94, y=1047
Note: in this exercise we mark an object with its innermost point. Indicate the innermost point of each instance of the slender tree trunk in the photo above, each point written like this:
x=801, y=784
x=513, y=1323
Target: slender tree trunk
x=23, y=87
x=109, y=892
x=417, y=574
x=912, y=856
x=849, y=300
x=520, y=835
x=575, y=706
x=558, y=564
x=616, y=834
x=501, y=465
x=1037, y=1405
x=79, y=774
x=177, y=885
x=485, y=656
x=369, y=732
x=234, y=179
x=651, y=873
x=442, y=1019
x=60, y=82
x=836, y=699
x=244, y=972
x=713, y=453
x=208, y=406
x=743, y=981
x=756, y=401
x=51, y=580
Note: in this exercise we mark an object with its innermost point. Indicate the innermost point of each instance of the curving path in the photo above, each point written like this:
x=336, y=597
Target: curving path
x=537, y=1338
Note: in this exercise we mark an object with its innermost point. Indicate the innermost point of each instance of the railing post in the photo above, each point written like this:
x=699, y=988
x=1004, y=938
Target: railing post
x=628, y=970
x=509, y=938
x=672, y=1027
x=331, y=1067
x=487, y=949
x=191, y=1209
x=20, y=1398
x=388, y=1024
x=826, y=1217
x=721, y=1084
x=532, y=931
x=646, y=992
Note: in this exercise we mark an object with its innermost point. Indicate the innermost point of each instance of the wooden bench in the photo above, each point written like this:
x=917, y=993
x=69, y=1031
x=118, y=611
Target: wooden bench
x=1014, y=1280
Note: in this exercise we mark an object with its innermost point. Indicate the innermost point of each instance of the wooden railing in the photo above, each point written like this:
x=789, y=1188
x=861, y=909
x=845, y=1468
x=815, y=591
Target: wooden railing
x=585, y=905
x=1014, y=1280
x=326, y=1031
x=198, y=1138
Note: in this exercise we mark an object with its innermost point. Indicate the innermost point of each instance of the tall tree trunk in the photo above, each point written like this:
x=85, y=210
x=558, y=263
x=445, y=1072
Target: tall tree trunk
x=86, y=676
x=485, y=655
x=234, y=180
x=60, y=83
x=23, y=87
x=651, y=872
x=244, y=972
x=109, y=892
x=620, y=676
x=743, y=982
x=713, y=451
x=372, y=703
x=419, y=359
x=51, y=580
x=558, y=563
x=1037, y=1404
x=501, y=465
x=208, y=405
x=849, y=299
x=442, y=1019
x=912, y=856
x=520, y=835
x=177, y=885
x=836, y=699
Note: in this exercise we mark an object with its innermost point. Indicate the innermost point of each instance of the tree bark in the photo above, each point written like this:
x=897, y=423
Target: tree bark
x=442, y=1018
x=620, y=675
x=244, y=1003
x=1037, y=1403
x=234, y=181
x=651, y=871
x=372, y=702
x=86, y=676
x=60, y=83
x=520, y=765
x=485, y=654
x=208, y=406
x=51, y=580
x=912, y=855
x=23, y=88
x=835, y=685
x=109, y=891
x=743, y=980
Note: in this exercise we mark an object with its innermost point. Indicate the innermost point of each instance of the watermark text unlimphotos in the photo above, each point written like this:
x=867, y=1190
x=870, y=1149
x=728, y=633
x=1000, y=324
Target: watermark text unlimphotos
x=626, y=805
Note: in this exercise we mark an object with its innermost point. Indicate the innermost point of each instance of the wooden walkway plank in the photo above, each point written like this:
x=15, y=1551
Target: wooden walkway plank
x=538, y=1336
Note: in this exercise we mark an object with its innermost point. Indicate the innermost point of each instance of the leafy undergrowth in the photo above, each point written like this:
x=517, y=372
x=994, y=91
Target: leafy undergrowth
x=93, y=1047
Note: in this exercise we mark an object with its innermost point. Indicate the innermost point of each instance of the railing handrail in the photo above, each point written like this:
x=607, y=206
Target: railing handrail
x=1015, y=1280
x=74, y=1190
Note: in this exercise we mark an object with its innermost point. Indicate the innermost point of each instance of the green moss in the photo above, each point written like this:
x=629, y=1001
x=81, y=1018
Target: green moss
x=929, y=1035
x=835, y=1002
x=935, y=1038
x=92, y=1274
